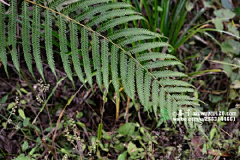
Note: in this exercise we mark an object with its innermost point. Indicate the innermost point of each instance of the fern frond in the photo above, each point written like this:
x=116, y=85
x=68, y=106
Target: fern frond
x=26, y=36
x=36, y=39
x=169, y=105
x=190, y=103
x=114, y=67
x=167, y=73
x=155, y=96
x=147, y=84
x=173, y=82
x=89, y=13
x=174, y=110
x=147, y=46
x=157, y=86
x=184, y=97
x=82, y=4
x=162, y=98
x=118, y=21
x=159, y=64
x=140, y=84
x=130, y=40
x=55, y=3
x=105, y=69
x=131, y=78
x=3, y=53
x=109, y=15
x=127, y=32
x=178, y=89
x=12, y=33
x=85, y=54
x=63, y=47
x=74, y=51
x=48, y=40
x=96, y=59
x=155, y=55
x=124, y=71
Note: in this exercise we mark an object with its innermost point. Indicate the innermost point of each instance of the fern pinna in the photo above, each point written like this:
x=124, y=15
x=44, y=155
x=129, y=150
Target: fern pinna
x=101, y=32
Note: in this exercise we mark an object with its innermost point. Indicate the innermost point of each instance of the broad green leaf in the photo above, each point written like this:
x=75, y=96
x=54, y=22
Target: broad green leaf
x=227, y=68
x=21, y=113
x=218, y=23
x=26, y=122
x=127, y=129
x=233, y=29
x=11, y=105
x=22, y=157
x=132, y=149
x=4, y=99
x=235, y=84
x=25, y=146
x=189, y=6
x=234, y=112
x=212, y=133
x=204, y=150
x=79, y=114
x=227, y=4
x=106, y=135
x=65, y=151
x=225, y=14
x=231, y=46
x=122, y=156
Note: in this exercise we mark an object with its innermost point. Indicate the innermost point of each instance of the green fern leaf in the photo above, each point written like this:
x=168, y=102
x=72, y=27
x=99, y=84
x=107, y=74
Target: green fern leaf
x=155, y=96
x=12, y=33
x=190, y=103
x=48, y=41
x=127, y=32
x=158, y=64
x=139, y=83
x=63, y=47
x=147, y=84
x=85, y=54
x=130, y=40
x=178, y=89
x=168, y=73
x=162, y=98
x=36, y=39
x=109, y=15
x=174, y=111
x=169, y=105
x=148, y=46
x=184, y=97
x=81, y=4
x=155, y=55
x=74, y=51
x=114, y=67
x=131, y=79
x=118, y=21
x=172, y=82
x=55, y=3
x=3, y=53
x=123, y=71
x=105, y=69
x=96, y=59
x=89, y=13
x=26, y=37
